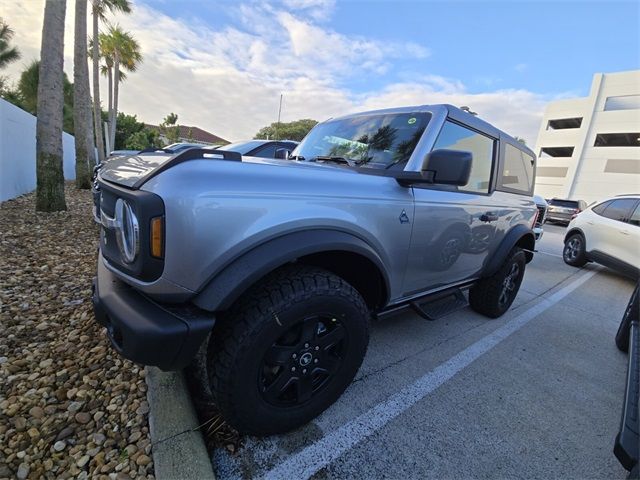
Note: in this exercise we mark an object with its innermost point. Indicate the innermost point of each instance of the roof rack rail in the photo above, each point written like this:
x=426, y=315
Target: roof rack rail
x=189, y=154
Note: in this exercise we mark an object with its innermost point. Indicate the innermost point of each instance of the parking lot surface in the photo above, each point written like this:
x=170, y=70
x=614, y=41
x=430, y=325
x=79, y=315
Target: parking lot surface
x=536, y=393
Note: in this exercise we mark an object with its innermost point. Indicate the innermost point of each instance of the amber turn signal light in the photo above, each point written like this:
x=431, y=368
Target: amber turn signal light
x=156, y=237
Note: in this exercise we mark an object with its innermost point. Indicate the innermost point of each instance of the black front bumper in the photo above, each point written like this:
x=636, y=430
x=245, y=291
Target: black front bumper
x=144, y=331
x=626, y=448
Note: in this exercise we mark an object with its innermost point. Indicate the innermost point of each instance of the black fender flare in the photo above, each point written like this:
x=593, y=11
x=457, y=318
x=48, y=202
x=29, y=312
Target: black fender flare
x=520, y=235
x=229, y=283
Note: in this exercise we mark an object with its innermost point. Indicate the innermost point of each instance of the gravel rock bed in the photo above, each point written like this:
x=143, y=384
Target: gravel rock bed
x=69, y=405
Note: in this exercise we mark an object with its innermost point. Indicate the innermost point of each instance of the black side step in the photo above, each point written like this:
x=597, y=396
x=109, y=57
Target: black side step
x=440, y=306
x=626, y=447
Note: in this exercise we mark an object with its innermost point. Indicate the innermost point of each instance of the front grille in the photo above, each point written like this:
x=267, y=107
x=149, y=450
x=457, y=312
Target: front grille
x=542, y=213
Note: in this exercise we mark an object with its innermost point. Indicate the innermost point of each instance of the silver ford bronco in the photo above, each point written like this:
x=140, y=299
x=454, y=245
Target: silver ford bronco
x=279, y=264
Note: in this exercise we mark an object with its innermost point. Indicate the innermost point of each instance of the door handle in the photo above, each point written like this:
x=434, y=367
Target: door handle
x=590, y=223
x=489, y=217
x=624, y=232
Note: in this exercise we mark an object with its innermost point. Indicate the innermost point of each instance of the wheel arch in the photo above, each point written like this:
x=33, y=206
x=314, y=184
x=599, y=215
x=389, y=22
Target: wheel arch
x=519, y=236
x=575, y=230
x=339, y=252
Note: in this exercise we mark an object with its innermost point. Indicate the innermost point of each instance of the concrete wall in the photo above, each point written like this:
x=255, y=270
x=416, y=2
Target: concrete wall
x=18, y=152
x=586, y=177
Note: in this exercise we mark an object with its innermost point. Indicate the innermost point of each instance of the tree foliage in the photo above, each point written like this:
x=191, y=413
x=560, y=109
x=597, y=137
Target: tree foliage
x=295, y=130
x=134, y=135
x=25, y=94
x=170, y=128
x=8, y=53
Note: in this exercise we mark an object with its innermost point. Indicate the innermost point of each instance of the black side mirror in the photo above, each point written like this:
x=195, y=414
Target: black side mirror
x=449, y=167
x=282, y=153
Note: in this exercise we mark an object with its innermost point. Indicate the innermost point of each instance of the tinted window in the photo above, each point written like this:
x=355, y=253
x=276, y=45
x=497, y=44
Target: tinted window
x=267, y=152
x=635, y=217
x=457, y=137
x=599, y=209
x=564, y=203
x=517, y=173
x=618, y=209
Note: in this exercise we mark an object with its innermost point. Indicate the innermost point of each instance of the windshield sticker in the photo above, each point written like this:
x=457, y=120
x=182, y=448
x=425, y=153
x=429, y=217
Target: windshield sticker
x=411, y=121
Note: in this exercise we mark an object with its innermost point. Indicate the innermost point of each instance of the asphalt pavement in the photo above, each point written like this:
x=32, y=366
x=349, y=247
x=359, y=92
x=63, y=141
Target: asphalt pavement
x=536, y=393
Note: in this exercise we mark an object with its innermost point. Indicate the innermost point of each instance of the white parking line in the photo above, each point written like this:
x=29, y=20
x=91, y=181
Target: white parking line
x=318, y=455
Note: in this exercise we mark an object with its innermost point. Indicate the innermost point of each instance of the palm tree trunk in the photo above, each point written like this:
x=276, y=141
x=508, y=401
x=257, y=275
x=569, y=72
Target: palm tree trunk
x=83, y=127
x=116, y=91
x=97, y=113
x=49, y=171
x=110, y=111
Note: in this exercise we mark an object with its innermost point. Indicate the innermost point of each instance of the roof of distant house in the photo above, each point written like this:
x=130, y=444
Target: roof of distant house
x=196, y=134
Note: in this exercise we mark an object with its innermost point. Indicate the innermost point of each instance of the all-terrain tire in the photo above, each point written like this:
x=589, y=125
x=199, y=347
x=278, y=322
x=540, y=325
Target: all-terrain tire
x=574, y=251
x=492, y=296
x=631, y=314
x=287, y=350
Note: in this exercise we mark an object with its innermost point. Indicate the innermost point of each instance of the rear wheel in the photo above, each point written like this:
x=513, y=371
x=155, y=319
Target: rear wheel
x=494, y=295
x=292, y=345
x=574, y=253
x=631, y=313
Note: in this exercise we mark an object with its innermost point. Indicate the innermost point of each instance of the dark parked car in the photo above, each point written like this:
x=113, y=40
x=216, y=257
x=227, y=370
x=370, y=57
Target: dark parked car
x=260, y=148
x=626, y=447
x=562, y=210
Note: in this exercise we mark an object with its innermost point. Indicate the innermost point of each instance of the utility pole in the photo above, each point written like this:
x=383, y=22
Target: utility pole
x=278, y=122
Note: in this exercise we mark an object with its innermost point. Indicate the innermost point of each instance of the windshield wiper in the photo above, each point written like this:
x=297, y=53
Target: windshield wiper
x=336, y=159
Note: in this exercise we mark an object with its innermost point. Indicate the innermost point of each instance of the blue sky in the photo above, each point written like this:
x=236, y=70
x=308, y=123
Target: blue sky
x=544, y=46
x=223, y=65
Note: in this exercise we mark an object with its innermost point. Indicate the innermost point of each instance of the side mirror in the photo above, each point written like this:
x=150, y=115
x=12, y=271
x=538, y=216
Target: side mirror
x=449, y=167
x=282, y=153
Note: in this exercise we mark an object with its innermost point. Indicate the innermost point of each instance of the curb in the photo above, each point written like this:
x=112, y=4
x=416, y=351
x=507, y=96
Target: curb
x=178, y=449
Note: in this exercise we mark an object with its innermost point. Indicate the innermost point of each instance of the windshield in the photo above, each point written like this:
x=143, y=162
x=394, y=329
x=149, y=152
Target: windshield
x=375, y=141
x=242, y=147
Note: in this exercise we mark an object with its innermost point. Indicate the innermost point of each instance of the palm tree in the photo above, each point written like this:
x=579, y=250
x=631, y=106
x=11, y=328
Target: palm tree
x=98, y=10
x=49, y=173
x=7, y=54
x=83, y=127
x=121, y=52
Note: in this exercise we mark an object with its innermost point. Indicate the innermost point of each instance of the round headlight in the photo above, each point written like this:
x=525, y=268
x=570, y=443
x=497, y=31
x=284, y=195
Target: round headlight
x=127, y=231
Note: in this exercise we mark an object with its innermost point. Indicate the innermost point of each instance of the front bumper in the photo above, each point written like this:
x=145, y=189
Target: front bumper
x=144, y=331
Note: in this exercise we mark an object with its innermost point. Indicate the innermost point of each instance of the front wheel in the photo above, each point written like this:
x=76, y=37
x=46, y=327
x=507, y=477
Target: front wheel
x=574, y=253
x=494, y=295
x=292, y=345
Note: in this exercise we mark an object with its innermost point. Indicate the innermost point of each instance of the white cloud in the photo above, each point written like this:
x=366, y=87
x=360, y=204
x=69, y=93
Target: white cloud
x=229, y=80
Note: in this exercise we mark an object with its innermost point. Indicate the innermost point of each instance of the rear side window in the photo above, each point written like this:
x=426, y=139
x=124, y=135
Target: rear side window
x=517, y=172
x=456, y=137
x=617, y=209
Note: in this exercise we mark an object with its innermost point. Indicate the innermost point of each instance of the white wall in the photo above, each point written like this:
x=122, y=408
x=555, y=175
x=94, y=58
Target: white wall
x=586, y=178
x=18, y=152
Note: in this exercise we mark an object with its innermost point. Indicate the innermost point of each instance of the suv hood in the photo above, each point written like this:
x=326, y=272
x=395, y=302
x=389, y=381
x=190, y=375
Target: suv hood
x=129, y=170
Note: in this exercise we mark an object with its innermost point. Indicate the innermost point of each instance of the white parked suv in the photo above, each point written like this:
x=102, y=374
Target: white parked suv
x=608, y=233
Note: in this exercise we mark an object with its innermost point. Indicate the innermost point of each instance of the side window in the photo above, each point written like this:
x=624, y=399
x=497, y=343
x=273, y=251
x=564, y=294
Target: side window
x=599, y=209
x=517, y=173
x=619, y=209
x=457, y=137
x=635, y=217
x=267, y=152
